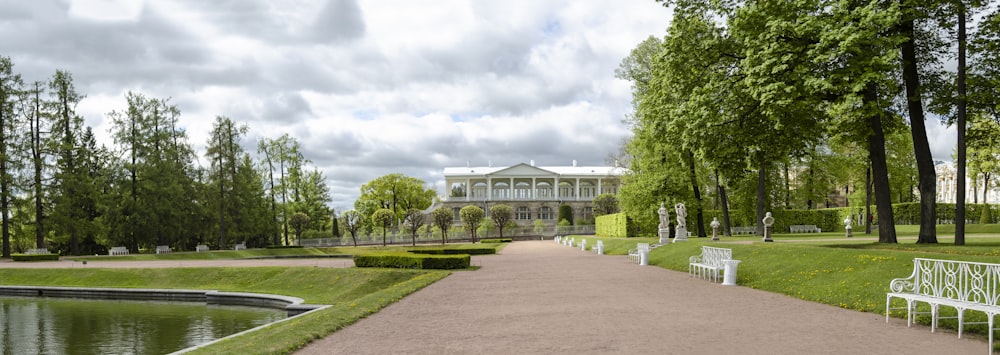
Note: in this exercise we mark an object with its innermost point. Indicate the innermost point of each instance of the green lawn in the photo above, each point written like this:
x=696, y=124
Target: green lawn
x=354, y=293
x=828, y=268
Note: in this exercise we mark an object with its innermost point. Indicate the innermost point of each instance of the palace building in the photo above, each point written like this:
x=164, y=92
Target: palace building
x=533, y=192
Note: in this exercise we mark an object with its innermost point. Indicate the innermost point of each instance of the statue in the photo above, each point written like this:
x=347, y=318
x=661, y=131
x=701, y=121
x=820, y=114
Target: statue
x=664, y=217
x=681, y=215
x=715, y=228
x=768, y=221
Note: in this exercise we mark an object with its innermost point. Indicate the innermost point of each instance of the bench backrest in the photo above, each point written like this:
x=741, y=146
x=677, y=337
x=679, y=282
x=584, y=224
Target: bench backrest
x=714, y=256
x=642, y=246
x=959, y=280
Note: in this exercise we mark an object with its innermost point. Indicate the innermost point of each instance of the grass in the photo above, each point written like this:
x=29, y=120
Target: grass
x=846, y=273
x=354, y=293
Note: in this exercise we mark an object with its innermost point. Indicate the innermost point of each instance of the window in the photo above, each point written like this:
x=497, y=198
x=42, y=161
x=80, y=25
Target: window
x=545, y=213
x=522, y=213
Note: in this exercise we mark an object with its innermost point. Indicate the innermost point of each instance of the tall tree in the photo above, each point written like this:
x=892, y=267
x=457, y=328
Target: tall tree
x=443, y=219
x=352, y=223
x=396, y=192
x=502, y=216
x=37, y=146
x=226, y=156
x=472, y=217
x=384, y=219
x=11, y=87
x=413, y=220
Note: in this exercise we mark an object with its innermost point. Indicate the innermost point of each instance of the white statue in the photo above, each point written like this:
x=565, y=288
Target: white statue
x=664, y=216
x=681, y=215
x=768, y=219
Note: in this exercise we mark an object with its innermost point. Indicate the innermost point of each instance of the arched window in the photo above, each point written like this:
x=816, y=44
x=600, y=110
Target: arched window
x=522, y=213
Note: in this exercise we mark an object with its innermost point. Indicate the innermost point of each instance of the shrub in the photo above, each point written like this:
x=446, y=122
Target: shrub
x=468, y=251
x=35, y=257
x=566, y=214
x=315, y=234
x=986, y=216
x=413, y=261
x=284, y=247
x=497, y=240
x=616, y=225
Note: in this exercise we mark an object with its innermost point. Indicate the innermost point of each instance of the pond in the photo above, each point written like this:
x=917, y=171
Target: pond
x=32, y=325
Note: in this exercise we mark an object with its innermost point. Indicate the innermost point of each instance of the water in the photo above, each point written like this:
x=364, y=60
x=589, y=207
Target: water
x=78, y=326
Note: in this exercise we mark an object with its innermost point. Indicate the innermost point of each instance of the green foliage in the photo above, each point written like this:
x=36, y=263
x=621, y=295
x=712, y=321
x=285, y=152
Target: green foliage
x=502, y=216
x=299, y=222
x=616, y=225
x=35, y=257
x=443, y=218
x=315, y=234
x=413, y=261
x=485, y=227
x=498, y=240
x=565, y=214
x=909, y=213
x=986, y=216
x=471, y=216
x=563, y=226
x=605, y=204
x=383, y=218
x=467, y=251
x=539, y=226
x=396, y=192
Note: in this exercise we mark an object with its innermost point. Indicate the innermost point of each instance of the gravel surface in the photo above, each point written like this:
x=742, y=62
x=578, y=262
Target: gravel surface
x=539, y=297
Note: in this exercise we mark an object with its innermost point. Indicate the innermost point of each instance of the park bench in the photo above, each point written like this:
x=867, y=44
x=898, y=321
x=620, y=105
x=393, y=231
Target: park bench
x=37, y=251
x=201, y=248
x=743, y=230
x=634, y=254
x=804, y=228
x=709, y=264
x=962, y=285
x=240, y=246
x=118, y=251
x=163, y=249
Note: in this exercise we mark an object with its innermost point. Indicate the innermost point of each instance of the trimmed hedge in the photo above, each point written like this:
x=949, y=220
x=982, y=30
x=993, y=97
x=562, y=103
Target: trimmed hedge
x=496, y=240
x=35, y=257
x=615, y=225
x=284, y=247
x=466, y=251
x=909, y=213
x=413, y=261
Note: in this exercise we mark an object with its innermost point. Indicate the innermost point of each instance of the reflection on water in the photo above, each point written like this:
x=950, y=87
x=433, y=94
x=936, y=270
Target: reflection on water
x=78, y=326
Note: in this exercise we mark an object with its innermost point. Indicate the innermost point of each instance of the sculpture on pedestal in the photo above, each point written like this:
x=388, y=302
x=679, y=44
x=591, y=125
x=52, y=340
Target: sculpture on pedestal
x=768, y=221
x=681, y=231
x=715, y=228
x=848, y=227
x=664, y=231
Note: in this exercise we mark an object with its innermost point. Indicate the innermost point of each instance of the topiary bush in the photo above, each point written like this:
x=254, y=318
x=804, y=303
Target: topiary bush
x=35, y=257
x=468, y=251
x=413, y=261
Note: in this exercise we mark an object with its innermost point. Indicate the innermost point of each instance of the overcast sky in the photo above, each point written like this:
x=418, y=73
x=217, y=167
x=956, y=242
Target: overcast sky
x=368, y=87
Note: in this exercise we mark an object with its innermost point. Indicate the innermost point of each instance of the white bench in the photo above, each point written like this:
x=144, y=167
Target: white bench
x=804, y=228
x=710, y=263
x=37, y=251
x=163, y=249
x=118, y=251
x=744, y=230
x=963, y=285
x=634, y=254
x=240, y=246
x=201, y=248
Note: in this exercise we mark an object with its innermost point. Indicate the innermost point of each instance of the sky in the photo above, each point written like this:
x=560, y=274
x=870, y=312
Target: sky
x=368, y=87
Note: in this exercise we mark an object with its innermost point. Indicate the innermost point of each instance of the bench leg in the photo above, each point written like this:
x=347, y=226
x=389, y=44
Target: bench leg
x=934, y=316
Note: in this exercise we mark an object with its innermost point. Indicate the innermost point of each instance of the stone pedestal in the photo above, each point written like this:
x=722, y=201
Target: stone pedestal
x=767, y=234
x=643, y=257
x=600, y=248
x=681, y=234
x=664, y=235
x=849, y=231
x=729, y=272
x=583, y=245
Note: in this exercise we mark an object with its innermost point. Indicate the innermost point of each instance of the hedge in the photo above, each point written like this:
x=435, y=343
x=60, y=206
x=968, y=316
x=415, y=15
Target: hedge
x=413, y=261
x=615, y=225
x=496, y=240
x=909, y=213
x=35, y=257
x=466, y=251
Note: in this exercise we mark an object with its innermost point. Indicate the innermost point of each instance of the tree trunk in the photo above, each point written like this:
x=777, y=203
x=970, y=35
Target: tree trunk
x=36, y=154
x=788, y=188
x=700, y=215
x=868, y=199
x=961, y=108
x=880, y=172
x=761, y=193
x=927, y=178
x=726, y=226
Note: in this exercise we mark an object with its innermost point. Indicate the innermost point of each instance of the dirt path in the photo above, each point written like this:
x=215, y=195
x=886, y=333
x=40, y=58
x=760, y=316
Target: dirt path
x=540, y=297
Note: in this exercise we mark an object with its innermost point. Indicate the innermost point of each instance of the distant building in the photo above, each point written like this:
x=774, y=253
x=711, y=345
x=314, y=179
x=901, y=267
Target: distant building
x=947, y=186
x=534, y=192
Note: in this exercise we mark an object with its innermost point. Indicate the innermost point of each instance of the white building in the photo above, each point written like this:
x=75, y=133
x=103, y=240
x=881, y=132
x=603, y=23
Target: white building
x=947, y=186
x=534, y=192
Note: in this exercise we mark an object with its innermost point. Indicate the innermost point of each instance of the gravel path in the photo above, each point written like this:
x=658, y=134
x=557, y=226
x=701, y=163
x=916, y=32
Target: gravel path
x=540, y=297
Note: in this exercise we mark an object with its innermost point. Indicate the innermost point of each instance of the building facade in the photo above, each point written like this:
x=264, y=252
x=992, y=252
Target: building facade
x=947, y=186
x=533, y=192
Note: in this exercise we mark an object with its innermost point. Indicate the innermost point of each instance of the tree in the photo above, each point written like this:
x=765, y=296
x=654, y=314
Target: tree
x=605, y=204
x=299, y=222
x=396, y=192
x=383, y=218
x=413, y=220
x=10, y=90
x=443, y=219
x=334, y=224
x=352, y=223
x=472, y=217
x=225, y=155
x=566, y=213
x=502, y=216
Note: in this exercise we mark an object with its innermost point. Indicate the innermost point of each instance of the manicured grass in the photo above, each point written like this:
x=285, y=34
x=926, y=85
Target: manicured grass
x=354, y=293
x=845, y=273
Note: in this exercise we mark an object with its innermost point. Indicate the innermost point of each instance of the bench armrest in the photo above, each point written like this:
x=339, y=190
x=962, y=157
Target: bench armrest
x=902, y=285
x=695, y=259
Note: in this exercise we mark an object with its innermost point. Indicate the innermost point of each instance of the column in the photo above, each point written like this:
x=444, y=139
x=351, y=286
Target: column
x=534, y=190
x=489, y=188
x=556, y=188
x=599, y=188
x=511, y=192
x=468, y=188
x=577, y=189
